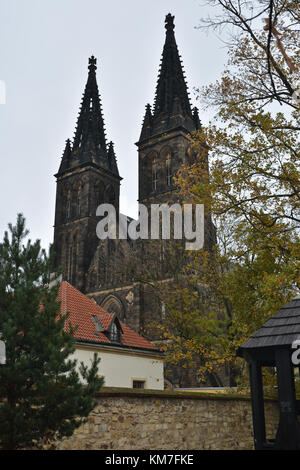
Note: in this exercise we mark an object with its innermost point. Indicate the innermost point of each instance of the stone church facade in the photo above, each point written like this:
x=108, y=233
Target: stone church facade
x=109, y=271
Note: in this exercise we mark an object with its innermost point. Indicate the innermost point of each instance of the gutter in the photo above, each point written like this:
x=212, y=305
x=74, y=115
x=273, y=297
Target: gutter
x=146, y=351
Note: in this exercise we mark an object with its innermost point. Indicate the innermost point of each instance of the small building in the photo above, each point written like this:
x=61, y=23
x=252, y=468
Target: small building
x=127, y=359
x=276, y=345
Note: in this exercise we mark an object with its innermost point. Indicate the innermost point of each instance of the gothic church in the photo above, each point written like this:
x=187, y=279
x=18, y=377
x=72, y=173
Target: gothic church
x=88, y=176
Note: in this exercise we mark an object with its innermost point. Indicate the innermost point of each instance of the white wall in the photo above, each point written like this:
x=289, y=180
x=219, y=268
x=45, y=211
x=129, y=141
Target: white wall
x=121, y=368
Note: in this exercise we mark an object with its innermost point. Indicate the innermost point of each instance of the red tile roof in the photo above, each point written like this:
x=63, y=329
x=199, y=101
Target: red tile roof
x=81, y=310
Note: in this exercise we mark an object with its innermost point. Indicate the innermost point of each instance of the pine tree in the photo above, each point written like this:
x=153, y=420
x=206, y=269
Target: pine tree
x=42, y=396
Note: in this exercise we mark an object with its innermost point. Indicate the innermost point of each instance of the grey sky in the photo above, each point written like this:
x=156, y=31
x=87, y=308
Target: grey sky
x=44, y=50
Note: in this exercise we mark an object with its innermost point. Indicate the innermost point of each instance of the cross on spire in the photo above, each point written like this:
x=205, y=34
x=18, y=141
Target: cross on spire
x=169, y=22
x=92, y=63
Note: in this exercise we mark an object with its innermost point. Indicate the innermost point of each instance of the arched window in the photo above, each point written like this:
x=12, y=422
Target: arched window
x=113, y=305
x=155, y=175
x=168, y=170
x=68, y=205
x=98, y=197
x=79, y=202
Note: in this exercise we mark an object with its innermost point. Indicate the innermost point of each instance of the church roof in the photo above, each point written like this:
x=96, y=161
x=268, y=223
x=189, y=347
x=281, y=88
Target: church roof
x=83, y=312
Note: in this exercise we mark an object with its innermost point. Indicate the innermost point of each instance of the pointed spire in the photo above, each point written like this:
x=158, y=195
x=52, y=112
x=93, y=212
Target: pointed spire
x=171, y=103
x=113, y=166
x=196, y=118
x=147, y=123
x=171, y=85
x=90, y=140
x=89, y=145
x=65, y=161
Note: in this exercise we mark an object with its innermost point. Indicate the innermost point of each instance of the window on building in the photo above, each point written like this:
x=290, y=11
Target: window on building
x=168, y=170
x=97, y=323
x=68, y=207
x=138, y=384
x=79, y=202
x=115, y=333
x=154, y=178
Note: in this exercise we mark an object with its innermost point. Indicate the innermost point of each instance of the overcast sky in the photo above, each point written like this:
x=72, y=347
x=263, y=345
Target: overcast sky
x=44, y=51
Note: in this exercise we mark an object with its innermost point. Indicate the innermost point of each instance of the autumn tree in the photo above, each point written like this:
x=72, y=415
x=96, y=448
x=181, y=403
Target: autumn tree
x=252, y=188
x=194, y=328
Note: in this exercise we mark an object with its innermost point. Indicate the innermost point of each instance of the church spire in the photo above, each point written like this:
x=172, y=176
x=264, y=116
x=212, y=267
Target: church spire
x=171, y=82
x=171, y=104
x=89, y=145
x=90, y=133
x=172, y=107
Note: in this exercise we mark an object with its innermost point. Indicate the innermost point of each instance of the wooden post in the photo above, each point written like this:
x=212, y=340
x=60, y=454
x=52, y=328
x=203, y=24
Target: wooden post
x=257, y=398
x=288, y=434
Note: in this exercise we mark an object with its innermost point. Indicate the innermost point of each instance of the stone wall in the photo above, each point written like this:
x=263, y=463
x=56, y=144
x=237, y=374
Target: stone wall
x=169, y=422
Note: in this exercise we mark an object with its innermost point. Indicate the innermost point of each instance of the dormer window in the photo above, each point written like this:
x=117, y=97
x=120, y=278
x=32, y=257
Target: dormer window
x=114, y=334
x=115, y=330
x=112, y=331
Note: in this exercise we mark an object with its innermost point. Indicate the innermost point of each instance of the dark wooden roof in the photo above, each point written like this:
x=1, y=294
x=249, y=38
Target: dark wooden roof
x=280, y=330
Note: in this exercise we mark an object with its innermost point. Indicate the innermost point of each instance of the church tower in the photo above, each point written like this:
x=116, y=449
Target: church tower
x=164, y=147
x=164, y=140
x=88, y=176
